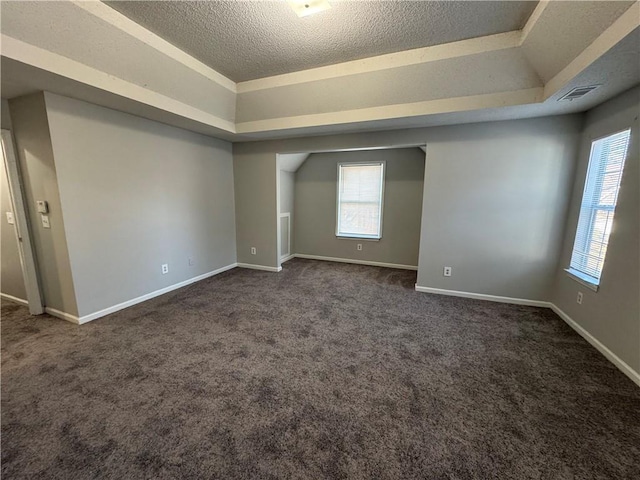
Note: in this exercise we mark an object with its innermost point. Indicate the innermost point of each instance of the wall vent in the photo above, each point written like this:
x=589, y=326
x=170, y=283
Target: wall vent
x=578, y=92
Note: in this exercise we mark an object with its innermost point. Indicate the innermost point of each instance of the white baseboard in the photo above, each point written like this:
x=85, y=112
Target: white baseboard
x=482, y=296
x=21, y=301
x=356, y=262
x=612, y=357
x=287, y=258
x=148, y=296
x=259, y=267
x=63, y=315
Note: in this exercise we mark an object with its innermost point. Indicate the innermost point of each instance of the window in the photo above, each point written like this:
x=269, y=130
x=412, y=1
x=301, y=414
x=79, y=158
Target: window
x=598, y=206
x=360, y=188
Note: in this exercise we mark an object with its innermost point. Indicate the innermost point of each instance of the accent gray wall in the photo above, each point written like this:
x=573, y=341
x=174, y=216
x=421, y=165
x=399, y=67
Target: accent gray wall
x=35, y=155
x=287, y=199
x=469, y=169
x=11, y=279
x=138, y=194
x=316, y=197
x=495, y=202
x=612, y=314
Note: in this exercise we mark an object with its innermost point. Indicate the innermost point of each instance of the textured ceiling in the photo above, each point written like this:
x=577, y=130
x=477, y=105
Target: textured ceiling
x=245, y=40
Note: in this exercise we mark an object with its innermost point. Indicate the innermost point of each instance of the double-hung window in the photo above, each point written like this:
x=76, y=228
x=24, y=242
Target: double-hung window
x=360, y=191
x=606, y=164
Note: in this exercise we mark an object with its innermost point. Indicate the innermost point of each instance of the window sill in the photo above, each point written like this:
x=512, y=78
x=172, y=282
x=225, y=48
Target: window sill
x=366, y=239
x=582, y=279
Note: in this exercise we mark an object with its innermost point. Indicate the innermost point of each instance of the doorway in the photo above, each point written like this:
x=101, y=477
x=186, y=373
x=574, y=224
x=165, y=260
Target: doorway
x=17, y=233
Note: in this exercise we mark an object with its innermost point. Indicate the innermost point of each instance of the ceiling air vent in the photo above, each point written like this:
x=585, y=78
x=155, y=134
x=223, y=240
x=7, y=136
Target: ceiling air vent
x=578, y=92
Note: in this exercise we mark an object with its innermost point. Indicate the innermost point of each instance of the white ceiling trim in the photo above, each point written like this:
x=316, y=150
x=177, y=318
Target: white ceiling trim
x=623, y=26
x=533, y=19
x=123, y=23
x=434, y=53
x=65, y=67
x=431, y=107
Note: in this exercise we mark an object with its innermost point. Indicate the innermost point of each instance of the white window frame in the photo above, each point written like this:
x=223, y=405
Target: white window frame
x=338, y=203
x=573, y=271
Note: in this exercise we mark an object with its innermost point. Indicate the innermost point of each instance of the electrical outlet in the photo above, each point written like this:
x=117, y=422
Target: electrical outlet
x=446, y=271
x=191, y=262
x=579, y=299
x=10, y=220
x=45, y=221
x=359, y=246
x=165, y=269
x=253, y=250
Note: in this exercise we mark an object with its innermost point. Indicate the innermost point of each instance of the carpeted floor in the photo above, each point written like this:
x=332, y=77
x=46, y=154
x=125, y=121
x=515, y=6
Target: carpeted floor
x=324, y=370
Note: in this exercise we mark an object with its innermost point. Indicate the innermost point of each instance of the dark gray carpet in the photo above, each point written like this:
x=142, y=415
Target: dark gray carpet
x=322, y=371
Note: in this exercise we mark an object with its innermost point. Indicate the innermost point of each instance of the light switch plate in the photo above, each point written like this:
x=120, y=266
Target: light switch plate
x=45, y=221
x=10, y=218
x=43, y=206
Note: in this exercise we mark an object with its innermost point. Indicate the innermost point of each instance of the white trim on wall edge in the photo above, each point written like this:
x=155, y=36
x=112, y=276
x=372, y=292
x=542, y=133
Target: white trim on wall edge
x=356, y=262
x=63, y=315
x=259, y=267
x=14, y=299
x=612, y=357
x=134, y=301
x=287, y=258
x=482, y=296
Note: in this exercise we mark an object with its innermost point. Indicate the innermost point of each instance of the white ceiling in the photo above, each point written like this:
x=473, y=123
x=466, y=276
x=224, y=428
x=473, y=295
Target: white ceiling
x=90, y=51
x=245, y=40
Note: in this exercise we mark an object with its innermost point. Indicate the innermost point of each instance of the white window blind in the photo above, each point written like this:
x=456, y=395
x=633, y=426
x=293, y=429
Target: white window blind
x=360, y=188
x=598, y=205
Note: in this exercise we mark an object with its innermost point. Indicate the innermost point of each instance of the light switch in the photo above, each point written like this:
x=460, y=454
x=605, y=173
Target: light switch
x=45, y=221
x=10, y=218
x=43, y=206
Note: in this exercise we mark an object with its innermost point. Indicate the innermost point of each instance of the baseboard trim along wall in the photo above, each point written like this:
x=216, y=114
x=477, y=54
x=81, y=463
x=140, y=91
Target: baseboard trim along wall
x=608, y=354
x=482, y=296
x=14, y=299
x=134, y=301
x=63, y=315
x=286, y=259
x=612, y=357
x=259, y=267
x=356, y=262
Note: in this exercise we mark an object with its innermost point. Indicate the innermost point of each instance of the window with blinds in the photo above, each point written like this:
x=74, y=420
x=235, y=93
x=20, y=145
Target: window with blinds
x=360, y=190
x=606, y=164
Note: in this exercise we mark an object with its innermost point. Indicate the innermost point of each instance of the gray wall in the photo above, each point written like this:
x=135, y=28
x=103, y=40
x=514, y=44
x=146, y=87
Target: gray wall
x=470, y=171
x=138, y=194
x=11, y=280
x=495, y=202
x=287, y=200
x=5, y=115
x=611, y=315
x=257, y=216
x=315, y=200
x=35, y=155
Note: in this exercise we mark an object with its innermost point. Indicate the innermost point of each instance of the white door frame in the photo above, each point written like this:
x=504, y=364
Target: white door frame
x=22, y=230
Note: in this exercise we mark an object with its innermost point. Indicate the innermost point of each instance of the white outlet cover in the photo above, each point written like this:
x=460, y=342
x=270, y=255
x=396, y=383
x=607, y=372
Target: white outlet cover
x=165, y=268
x=10, y=220
x=45, y=221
